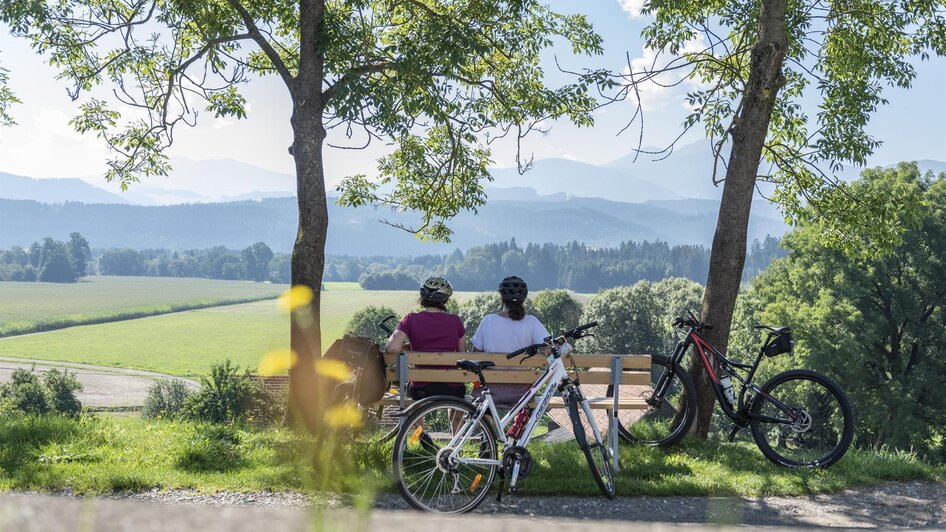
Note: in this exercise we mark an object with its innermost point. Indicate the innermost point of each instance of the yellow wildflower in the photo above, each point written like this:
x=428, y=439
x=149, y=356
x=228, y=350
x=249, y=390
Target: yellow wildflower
x=296, y=297
x=332, y=369
x=277, y=362
x=343, y=415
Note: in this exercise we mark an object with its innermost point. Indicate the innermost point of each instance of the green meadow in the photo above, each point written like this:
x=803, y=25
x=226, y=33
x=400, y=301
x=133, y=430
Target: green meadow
x=186, y=342
x=34, y=307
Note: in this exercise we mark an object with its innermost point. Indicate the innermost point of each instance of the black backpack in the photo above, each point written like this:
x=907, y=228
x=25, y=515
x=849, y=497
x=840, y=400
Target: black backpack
x=363, y=356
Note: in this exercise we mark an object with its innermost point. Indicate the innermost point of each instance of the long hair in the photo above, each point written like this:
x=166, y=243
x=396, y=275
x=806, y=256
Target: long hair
x=515, y=308
x=426, y=303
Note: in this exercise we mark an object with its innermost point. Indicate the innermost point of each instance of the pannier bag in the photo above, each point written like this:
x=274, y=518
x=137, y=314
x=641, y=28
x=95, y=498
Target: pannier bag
x=782, y=343
x=363, y=356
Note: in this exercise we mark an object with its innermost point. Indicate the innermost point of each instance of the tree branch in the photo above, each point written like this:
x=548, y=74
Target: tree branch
x=264, y=45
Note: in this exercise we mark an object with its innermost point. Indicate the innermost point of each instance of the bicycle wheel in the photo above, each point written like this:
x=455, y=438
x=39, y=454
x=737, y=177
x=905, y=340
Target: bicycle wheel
x=668, y=417
x=817, y=428
x=591, y=441
x=426, y=476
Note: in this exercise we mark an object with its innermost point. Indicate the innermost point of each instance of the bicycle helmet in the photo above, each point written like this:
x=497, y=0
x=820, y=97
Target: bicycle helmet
x=436, y=290
x=513, y=288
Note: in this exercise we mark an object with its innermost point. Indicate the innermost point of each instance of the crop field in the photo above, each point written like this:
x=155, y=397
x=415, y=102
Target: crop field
x=32, y=307
x=187, y=343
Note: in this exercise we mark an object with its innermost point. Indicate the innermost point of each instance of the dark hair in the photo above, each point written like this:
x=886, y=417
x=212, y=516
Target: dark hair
x=516, y=311
x=427, y=303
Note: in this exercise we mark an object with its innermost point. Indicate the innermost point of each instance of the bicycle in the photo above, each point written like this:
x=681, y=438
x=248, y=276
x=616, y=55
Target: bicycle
x=798, y=418
x=445, y=455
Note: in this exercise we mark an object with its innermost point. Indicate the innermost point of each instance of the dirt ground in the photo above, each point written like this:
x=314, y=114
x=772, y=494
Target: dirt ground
x=892, y=505
x=101, y=386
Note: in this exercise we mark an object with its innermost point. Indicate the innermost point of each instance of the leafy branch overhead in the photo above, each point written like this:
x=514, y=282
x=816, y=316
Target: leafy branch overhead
x=841, y=56
x=439, y=79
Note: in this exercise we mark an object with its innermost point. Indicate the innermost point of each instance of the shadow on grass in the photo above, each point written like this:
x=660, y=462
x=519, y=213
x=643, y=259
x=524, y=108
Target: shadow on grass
x=22, y=440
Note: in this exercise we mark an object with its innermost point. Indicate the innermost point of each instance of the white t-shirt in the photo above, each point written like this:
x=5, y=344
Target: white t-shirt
x=498, y=334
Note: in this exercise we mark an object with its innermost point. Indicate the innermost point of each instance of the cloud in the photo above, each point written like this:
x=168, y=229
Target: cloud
x=666, y=87
x=632, y=7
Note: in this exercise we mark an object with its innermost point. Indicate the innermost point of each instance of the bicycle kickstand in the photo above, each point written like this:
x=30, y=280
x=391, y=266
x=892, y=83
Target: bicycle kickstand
x=502, y=484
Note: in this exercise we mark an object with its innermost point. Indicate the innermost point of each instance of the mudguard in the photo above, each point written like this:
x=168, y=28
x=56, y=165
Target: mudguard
x=439, y=398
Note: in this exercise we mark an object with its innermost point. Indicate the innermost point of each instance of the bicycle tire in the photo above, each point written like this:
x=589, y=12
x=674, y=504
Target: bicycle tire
x=683, y=414
x=597, y=453
x=844, y=410
x=407, y=439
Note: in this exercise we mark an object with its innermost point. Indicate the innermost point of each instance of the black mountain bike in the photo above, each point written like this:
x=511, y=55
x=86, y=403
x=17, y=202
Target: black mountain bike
x=799, y=418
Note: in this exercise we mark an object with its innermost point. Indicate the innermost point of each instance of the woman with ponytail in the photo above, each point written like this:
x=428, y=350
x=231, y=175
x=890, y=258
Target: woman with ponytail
x=508, y=330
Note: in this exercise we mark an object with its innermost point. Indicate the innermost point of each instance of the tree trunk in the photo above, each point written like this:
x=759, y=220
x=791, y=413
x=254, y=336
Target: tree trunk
x=728, y=255
x=308, y=253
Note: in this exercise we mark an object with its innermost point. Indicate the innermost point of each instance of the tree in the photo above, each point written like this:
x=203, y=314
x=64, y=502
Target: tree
x=7, y=99
x=365, y=322
x=79, y=254
x=754, y=62
x=256, y=259
x=434, y=77
x=121, y=262
x=558, y=310
x=875, y=324
x=56, y=266
x=627, y=319
x=676, y=296
x=279, y=269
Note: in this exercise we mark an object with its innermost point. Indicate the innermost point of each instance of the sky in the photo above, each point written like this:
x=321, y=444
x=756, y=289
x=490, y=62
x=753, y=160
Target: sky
x=912, y=126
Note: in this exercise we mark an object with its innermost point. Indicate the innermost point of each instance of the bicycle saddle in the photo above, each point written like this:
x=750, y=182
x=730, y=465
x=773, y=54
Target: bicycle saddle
x=774, y=330
x=476, y=366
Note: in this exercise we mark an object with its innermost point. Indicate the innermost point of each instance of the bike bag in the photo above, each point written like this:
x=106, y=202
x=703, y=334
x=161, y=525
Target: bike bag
x=783, y=343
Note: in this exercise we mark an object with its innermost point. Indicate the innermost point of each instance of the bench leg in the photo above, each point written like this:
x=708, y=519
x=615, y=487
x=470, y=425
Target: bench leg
x=402, y=383
x=617, y=369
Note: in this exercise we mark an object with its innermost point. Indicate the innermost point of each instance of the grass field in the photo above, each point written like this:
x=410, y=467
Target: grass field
x=31, y=307
x=187, y=343
x=104, y=455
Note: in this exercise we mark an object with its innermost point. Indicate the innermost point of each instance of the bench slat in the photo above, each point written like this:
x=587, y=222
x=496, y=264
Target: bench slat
x=519, y=376
x=596, y=403
x=450, y=359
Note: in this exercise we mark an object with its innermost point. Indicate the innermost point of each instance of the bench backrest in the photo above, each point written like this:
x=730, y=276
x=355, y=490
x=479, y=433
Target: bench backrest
x=592, y=368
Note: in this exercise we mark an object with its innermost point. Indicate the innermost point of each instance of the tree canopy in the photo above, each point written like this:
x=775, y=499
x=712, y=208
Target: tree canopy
x=875, y=324
x=839, y=60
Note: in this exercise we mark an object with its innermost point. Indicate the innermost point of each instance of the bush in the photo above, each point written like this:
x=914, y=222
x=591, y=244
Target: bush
x=558, y=310
x=26, y=394
x=165, y=399
x=225, y=396
x=365, y=322
x=214, y=448
x=627, y=321
x=61, y=388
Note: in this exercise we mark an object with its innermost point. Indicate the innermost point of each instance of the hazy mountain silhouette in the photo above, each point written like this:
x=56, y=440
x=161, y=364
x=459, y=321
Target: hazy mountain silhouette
x=597, y=222
x=54, y=190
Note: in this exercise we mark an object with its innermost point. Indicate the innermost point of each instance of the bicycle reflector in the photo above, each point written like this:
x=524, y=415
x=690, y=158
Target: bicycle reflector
x=476, y=482
x=416, y=436
x=782, y=343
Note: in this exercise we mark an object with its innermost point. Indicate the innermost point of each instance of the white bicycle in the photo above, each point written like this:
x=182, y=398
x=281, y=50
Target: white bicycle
x=446, y=451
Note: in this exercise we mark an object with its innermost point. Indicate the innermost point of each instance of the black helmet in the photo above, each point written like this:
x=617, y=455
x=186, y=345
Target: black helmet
x=513, y=288
x=436, y=290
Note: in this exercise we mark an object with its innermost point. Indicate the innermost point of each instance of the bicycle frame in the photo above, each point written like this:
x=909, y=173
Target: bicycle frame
x=554, y=375
x=740, y=413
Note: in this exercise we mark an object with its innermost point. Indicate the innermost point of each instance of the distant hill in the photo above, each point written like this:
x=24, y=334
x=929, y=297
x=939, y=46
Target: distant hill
x=550, y=176
x=597, y=222
x=54, y=190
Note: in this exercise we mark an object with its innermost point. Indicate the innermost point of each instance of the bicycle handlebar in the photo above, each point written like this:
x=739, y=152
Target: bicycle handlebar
x=385, y=328
x=531, y=349
x=690, y=321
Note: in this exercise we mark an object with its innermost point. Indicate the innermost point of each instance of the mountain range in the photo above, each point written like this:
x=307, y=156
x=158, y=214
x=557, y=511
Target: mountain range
x=234, y=204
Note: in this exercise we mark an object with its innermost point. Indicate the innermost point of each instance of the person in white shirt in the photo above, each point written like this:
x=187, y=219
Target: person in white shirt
x=508, y=330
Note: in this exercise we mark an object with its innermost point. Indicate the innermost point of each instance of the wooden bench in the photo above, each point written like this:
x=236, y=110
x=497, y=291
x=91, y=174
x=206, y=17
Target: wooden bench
x=613, y=370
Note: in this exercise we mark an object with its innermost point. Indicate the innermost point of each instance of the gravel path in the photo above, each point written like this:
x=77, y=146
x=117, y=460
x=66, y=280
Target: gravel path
x=892, y=505
x=102, y=386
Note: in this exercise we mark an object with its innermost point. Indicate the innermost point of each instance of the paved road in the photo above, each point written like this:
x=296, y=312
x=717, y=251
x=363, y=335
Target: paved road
x=102, y=386
x=892, y=505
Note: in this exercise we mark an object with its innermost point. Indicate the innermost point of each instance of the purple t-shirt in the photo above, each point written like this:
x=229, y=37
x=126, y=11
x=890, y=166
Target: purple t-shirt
x=432, y=332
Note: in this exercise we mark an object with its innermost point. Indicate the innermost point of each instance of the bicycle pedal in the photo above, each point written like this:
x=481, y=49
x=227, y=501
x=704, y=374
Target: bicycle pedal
x=732, y=433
